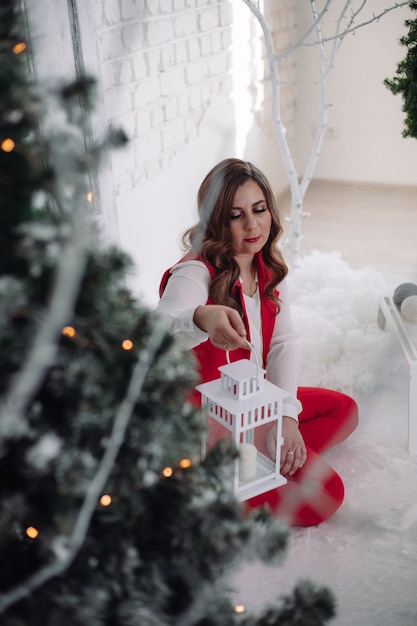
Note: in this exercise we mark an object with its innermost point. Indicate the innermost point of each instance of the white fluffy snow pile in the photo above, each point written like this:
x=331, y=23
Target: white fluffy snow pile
x=334, y=309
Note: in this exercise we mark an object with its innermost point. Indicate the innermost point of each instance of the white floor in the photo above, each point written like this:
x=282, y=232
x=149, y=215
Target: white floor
x=367, y=552
x=369, y=225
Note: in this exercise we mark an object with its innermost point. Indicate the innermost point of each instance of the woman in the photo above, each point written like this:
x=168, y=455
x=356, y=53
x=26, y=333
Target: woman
x=231, y=288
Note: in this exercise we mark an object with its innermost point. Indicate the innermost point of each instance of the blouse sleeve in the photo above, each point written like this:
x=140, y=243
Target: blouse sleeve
x=282, y=359
x=187, y=288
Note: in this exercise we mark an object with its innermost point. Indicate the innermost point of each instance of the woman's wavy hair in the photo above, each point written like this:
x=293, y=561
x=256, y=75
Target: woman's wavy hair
x=211, y=239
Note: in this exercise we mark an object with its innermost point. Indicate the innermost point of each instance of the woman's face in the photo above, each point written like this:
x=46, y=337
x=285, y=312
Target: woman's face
x=250, y=219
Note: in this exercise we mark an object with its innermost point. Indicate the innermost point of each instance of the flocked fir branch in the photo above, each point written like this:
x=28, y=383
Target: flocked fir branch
x=108, y=514
x=69, y=163
x=66, y=548
x=405, y=80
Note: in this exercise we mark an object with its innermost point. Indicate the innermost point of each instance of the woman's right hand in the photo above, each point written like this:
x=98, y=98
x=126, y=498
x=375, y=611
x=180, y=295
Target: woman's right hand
x=293, y=452
x=223, y=325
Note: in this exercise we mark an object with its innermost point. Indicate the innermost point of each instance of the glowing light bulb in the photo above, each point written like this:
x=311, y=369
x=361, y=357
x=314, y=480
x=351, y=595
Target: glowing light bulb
x=240, y=608
x=19, y=47
x=89, y=196
x=32, y=532
x=167, y=472
x=7, y=145
x=127, y=344
x=184, y=463
x=105, y=500
x=68, y=331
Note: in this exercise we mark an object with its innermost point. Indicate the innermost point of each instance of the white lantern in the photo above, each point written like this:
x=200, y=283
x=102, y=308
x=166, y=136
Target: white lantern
x=242, y=400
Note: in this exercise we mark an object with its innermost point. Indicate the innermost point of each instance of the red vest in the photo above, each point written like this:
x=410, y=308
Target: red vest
x=210, y=358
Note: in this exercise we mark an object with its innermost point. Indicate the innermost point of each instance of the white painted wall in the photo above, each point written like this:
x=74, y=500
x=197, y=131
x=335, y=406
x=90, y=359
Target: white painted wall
x=364, y=140
x=153, y=215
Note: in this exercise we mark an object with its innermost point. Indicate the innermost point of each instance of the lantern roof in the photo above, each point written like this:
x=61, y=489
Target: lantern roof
x=242, y=370
x=212, y=390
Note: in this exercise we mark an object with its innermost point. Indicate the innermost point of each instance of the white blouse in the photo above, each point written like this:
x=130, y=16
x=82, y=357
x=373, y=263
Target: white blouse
x=188, y=288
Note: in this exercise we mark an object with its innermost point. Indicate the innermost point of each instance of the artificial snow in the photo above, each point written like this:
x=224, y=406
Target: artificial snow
x=367, y=552
x=334, y=309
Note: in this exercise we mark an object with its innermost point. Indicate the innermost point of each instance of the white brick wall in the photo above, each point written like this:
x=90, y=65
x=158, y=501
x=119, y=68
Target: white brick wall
x=162, y=64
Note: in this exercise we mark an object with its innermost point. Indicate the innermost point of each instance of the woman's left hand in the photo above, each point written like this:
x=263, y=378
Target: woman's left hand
x=293, y=450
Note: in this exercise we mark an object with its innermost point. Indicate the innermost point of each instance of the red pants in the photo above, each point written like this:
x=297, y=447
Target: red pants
x=315, y=491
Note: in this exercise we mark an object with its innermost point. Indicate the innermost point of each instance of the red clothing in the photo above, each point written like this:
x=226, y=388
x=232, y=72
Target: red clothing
x=315, y=491
x=211, y=358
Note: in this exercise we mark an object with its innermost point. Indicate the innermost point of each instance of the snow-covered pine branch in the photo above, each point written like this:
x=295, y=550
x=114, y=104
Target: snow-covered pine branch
x=75, y=236
x=66, y=549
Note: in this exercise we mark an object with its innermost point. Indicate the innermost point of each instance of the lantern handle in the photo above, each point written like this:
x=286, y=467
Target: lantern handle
x=251, y=347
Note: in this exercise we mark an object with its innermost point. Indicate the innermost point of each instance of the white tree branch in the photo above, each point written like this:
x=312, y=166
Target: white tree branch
x=298, y=190
x=304, y=37
x=321, y=129
x=296, y=198
x=352, y=28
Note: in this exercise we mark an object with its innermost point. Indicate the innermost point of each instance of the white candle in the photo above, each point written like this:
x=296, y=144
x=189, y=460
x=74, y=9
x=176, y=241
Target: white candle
x=247, y=462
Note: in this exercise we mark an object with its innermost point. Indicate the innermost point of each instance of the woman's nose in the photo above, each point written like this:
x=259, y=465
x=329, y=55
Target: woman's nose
x=250, y=222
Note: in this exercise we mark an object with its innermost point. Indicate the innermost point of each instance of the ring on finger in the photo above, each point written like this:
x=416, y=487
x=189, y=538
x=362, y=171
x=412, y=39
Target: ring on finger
x=290, y=452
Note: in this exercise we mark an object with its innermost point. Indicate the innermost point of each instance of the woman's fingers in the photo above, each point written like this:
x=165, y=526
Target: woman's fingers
x=292, y=459
x=223, y=325
x=232, y=329
x=293, y=450
x=236, y=322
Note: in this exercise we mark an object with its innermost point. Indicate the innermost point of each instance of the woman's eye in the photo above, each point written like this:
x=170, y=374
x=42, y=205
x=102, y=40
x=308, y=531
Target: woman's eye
x=256, y=210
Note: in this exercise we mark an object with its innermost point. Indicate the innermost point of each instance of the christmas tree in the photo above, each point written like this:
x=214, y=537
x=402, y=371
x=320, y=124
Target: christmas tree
x=108, y=515
x=405, y=80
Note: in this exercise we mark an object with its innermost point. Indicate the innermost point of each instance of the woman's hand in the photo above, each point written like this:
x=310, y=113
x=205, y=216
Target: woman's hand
x=223, y=325
x=293, y=450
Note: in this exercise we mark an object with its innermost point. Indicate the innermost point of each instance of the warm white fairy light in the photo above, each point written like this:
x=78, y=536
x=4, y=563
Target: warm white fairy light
x=19, y=47
x=127, y=344
x=69, y=331
x=167, y=472
x=32, y=532
x=185, y=463
x=240, y=608
x=105, y=500
x=7, y=145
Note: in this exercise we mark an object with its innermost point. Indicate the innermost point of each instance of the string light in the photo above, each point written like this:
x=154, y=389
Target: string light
x=68, y=331
x=105, y=500
x=7, y=145
x=19, y=47
x=240, y=608
x=89, y=196
x=32, y=532
x=167, y=472
x=185, y=463
x=127, y=344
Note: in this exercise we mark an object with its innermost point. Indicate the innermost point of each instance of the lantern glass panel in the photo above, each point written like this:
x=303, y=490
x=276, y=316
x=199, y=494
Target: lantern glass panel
x=241, y=400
